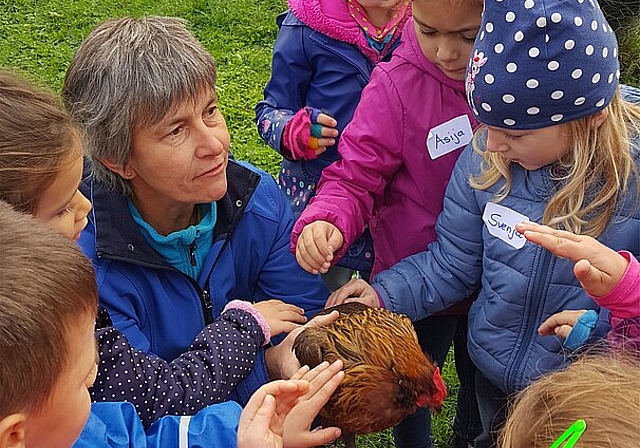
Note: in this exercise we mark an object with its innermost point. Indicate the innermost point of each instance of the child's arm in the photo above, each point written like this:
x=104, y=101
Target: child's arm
x=598, y=268
x=218, y=360
x=285, y=94
x=371, y=148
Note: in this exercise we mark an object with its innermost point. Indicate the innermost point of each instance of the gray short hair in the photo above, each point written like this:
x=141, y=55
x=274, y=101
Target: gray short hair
x=130, y=73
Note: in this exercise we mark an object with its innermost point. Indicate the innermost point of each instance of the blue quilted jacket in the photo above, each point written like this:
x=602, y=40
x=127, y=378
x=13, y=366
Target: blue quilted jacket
x=517, y=288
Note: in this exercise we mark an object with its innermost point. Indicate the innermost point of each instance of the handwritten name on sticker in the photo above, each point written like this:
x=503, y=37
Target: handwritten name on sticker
x=501, y=223
x=449, y=136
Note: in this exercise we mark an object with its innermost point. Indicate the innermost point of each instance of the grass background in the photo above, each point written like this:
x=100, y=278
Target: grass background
x=38, y=38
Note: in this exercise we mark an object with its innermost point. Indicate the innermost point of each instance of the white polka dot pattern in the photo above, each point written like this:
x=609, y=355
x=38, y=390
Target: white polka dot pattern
x=222, y=356
x=541, y=62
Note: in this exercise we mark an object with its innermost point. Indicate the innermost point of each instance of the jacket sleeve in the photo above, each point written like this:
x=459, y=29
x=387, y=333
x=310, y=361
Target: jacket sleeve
x=450, y=269
x=216, y=364
x=350, y=189
x=280, y=276
x=116, y=425
x=285, y=93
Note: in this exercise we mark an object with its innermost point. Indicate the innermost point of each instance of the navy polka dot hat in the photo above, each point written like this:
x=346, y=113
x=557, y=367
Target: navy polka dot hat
x=536, y=63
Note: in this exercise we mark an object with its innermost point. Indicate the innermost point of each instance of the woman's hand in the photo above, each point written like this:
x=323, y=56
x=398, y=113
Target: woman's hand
x=355, y=290
x=281, y=361
x=316, y=244
x=281, y=317
x=597, y=267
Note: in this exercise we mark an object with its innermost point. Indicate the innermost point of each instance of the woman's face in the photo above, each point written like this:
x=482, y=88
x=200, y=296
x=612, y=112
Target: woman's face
x=181, y=160
x=61, y=206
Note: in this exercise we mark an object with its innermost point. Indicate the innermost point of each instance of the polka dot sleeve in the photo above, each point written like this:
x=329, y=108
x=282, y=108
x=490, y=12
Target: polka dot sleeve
x=222, y=355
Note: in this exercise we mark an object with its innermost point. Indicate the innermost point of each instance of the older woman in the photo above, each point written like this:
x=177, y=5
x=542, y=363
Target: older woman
x=177, y=229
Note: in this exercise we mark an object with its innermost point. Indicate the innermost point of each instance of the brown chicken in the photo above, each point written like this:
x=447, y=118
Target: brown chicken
x=387, y=376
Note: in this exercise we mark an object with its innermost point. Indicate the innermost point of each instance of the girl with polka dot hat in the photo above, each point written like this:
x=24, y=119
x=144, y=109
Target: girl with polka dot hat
x=560, y=147
x=322, y=59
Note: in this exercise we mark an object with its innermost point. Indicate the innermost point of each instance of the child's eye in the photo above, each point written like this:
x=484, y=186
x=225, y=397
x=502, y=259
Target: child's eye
x=68, y=209
x=427, y=33
x=469, y=40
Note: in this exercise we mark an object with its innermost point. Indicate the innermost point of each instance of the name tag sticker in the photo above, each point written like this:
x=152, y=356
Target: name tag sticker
x=449, y=136
x=501, y=223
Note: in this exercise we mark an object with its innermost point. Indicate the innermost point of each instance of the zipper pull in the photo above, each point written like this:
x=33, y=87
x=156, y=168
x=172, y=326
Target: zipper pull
x=192, y=253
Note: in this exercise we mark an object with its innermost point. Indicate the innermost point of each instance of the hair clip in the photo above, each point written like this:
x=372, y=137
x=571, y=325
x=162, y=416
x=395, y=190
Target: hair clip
x=573, y=433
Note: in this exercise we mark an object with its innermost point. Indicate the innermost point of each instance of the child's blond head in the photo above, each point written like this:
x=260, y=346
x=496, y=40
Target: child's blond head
x=47, y=286
x=602, y=390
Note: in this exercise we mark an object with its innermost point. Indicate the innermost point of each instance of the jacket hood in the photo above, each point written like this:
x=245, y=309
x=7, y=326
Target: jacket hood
x=410, y=51
x=332, y=18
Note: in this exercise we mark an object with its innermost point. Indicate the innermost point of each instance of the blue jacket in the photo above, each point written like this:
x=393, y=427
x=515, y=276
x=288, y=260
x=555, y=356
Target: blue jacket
x=116, y=425
x=160, y=309
x=322, y=61
x=517, y=289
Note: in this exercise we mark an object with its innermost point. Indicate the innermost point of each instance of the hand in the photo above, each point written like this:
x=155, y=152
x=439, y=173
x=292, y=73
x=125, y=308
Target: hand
x=324, y=380
x=307, y=134
x=281, y=361
x=328, y=132
x=262, y=420
x=355, y=290
x=316, y=244
x=560, y=323
x=597, y=267
x=281, y=317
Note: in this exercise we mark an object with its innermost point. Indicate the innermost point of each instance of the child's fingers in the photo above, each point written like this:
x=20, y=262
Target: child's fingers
x=327, y=120
x=309, y=258
x=300, y=373
x=320, y=437
x=554, y=323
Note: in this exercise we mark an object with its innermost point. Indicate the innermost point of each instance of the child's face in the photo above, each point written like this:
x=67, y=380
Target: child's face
x=59, y=422
x=531, y=149
x=61, y=206
x=446, y=33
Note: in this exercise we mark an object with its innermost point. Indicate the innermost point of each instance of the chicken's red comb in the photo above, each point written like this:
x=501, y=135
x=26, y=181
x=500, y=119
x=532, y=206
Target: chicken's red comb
x=441, y=388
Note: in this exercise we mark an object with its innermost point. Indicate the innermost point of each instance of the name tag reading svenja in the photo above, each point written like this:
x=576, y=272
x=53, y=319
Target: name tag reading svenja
x=501, y=223
x=449, y=136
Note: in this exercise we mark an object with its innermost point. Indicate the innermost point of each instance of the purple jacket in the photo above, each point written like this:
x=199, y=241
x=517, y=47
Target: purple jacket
x=387, y=177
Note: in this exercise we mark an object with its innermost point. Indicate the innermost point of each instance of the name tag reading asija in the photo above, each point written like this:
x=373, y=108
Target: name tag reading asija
x=501, y=223
x=449, y=136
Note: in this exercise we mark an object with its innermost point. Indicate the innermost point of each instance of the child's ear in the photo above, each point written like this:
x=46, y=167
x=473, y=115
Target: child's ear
x=599, y=117
x=12, y=431
x=124, y=171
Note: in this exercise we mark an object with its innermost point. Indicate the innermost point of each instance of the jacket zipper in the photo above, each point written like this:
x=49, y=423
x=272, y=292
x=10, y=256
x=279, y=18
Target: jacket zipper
x=192, y=253
x=532, y=314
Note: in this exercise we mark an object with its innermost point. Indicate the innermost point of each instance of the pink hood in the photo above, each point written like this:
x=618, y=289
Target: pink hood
x=332, y=18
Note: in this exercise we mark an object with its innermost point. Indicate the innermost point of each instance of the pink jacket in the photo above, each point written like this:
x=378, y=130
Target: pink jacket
x=386, y=177
x=624, y=304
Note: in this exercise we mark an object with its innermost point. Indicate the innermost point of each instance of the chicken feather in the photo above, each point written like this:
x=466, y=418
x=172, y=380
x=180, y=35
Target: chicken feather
x=387, y=376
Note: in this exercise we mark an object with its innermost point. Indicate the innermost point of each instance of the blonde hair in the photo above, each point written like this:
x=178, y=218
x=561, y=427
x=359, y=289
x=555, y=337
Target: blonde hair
x=37, y=141
x=46, y=286
x=595, y=174
x=602, y=390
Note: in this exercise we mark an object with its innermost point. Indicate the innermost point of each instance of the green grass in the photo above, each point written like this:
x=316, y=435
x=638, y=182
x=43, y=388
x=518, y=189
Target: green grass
x=38, y=38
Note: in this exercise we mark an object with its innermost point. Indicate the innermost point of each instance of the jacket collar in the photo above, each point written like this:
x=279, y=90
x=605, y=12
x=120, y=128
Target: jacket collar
x=118, y=237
